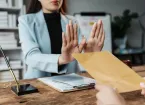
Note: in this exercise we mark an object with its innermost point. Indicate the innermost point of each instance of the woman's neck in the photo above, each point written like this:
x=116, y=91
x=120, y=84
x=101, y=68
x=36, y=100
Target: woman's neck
x=48, y=11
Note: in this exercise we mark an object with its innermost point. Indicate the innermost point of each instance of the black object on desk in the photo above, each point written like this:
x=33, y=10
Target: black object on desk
x=19, y=89
x=24, y=89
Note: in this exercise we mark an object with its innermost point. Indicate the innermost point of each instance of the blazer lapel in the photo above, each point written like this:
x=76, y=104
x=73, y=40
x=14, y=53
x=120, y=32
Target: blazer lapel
x=64, y=22
x=43, y=30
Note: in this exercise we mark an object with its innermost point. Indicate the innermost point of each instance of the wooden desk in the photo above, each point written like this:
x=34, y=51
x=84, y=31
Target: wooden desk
x=49, y=96
x=140, y=70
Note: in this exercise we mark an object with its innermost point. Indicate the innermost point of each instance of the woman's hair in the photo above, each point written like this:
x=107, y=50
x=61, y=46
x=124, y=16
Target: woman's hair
x=35, y=6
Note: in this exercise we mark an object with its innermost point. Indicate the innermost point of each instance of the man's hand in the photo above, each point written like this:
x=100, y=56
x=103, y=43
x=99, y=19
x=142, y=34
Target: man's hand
x=143, y=88
x=108, y=96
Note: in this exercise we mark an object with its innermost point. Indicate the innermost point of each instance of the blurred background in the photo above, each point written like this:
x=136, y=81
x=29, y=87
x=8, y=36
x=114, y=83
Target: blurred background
x=124, y=24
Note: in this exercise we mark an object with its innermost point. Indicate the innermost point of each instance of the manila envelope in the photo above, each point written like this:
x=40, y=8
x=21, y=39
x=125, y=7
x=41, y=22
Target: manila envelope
x=106, y=69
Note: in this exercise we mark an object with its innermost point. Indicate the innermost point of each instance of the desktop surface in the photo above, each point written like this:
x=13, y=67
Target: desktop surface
x=49, y=96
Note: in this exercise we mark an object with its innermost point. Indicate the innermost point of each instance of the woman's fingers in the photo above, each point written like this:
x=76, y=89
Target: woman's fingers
x=71, y=30
x=75, y=32
x=103, y=37
x=100, y=35
x=64, y=42
x=99, y=25
x=93, y=31
x=68, y=33
x=82, y=44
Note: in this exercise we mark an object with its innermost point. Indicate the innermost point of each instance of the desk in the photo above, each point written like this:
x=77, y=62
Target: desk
x=49, y=96
x=140, y=70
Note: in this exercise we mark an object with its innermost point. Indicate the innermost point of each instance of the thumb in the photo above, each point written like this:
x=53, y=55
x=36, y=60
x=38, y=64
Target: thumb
x=142, y=85
x=98, y=87
x=82, y=44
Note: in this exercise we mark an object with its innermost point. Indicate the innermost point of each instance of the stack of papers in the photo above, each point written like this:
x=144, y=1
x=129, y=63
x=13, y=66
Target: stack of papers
x=66, y=83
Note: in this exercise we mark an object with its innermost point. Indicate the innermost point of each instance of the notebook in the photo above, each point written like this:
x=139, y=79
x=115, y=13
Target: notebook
x=68, y=82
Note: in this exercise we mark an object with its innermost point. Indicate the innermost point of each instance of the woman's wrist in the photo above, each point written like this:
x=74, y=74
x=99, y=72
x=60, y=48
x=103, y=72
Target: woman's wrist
x=61, y=60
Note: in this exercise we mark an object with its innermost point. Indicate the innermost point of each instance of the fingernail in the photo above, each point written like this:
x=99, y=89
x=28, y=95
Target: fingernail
x=100, y=21
x=68, y=25
x=142, y=85
x=70, y=22
x=115, y=88
x=95, y=23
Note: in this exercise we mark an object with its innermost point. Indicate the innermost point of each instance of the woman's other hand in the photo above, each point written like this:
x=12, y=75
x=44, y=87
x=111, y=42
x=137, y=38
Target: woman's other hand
x=96, y=40
x=70, y=44
x=108, y=96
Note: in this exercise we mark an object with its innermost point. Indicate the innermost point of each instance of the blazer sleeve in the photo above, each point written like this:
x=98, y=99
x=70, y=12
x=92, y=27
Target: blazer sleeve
x=32, y=54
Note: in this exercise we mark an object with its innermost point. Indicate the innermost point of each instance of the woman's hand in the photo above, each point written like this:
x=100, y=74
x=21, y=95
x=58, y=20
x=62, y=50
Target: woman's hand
x=70, y=44
x=97, y=36
x=108, y=96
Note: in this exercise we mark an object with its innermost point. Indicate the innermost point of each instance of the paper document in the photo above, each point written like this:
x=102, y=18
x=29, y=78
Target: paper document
x=107, y=69
x=65, y=83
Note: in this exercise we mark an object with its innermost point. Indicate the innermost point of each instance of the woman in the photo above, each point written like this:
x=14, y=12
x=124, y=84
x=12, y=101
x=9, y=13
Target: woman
x=47, y=51
x=108, y=96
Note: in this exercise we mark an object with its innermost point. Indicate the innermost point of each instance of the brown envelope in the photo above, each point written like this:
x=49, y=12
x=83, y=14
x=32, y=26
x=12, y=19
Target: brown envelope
x=109, y=70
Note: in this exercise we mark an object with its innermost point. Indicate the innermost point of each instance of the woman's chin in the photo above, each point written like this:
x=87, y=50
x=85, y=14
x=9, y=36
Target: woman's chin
x=54, y=9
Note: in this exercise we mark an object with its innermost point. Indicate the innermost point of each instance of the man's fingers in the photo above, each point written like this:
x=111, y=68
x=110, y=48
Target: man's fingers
x=93, y=31
x=98, y=86
x=142, y=85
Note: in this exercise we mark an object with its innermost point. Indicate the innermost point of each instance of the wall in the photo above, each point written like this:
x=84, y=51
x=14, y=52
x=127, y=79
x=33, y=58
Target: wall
x=115, y=7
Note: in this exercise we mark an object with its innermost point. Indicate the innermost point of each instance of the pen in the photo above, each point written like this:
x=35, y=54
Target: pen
x=10, y=69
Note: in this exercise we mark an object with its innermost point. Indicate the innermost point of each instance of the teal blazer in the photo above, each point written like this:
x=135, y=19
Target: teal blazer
x=36, y=46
